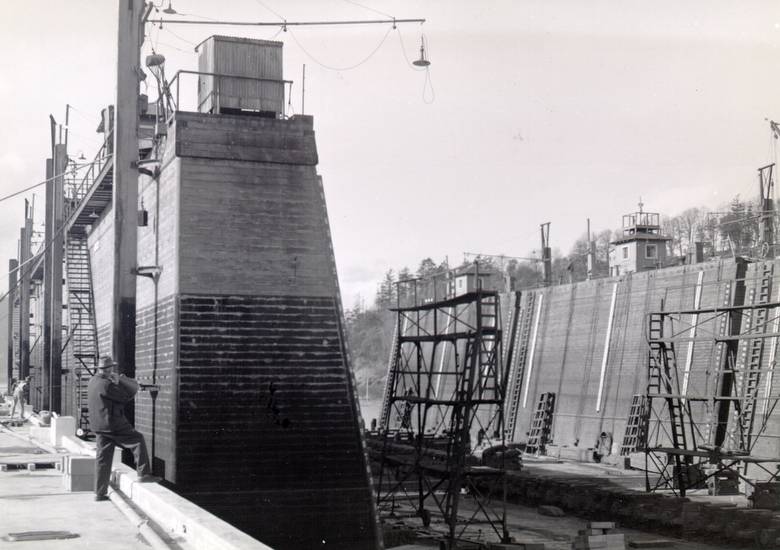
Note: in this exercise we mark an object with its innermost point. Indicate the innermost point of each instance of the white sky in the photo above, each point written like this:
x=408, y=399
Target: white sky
x=543, y=111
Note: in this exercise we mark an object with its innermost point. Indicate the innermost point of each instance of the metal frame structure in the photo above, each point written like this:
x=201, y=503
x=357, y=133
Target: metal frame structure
x=444, y=402
x=694, y=434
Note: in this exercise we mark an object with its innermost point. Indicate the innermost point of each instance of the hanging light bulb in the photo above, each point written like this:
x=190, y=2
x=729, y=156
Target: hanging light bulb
x=422, y=62
x=169, y=10
x=81, y=156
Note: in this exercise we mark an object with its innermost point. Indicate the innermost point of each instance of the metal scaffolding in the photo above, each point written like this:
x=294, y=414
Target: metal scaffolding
x=696, y=433
x=442, y=425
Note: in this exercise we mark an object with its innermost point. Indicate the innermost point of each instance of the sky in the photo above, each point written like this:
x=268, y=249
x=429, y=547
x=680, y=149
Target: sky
x=531, y=112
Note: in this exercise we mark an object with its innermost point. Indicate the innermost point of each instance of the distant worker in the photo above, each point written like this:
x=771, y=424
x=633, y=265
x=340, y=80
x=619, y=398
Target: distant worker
x=108, y=393
x=19, y=397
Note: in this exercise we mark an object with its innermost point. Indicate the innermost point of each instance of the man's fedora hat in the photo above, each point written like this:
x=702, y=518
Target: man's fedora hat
x=106, y=362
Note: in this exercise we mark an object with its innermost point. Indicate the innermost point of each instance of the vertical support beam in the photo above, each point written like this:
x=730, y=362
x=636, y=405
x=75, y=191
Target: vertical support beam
x=125, y=199
x=57, y=247
x=25, y=274
x=766, y=220
x=12, y=294
x=47, y=279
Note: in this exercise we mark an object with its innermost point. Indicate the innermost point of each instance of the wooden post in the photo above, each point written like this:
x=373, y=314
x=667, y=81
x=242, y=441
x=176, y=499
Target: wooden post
x=125, y=199
x=25, y=274
x=54, y=305
x=12, y=294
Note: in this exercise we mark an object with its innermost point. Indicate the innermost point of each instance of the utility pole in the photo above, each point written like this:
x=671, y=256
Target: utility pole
x=47, y=278
x=125, y=192
x=766, y=221
x=546, y=253
x=25, y=273
x=591, y=254
x=12, y=293
x=54, y=278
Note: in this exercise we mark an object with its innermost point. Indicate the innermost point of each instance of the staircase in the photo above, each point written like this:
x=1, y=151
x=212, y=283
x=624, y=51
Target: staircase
x=82, y=334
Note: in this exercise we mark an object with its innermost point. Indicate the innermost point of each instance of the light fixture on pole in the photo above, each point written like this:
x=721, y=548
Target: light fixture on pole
x=423, y=61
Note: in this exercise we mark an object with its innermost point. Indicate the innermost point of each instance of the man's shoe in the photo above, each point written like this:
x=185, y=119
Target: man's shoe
x=148, y=478
x=101, y=498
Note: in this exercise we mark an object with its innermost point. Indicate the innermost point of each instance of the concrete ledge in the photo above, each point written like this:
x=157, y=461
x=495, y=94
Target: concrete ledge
x=75, y=445
x=180, y=518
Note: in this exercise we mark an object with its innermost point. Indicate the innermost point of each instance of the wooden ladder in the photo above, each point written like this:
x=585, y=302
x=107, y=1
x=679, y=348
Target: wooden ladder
x=541, y=424
x=635, y=437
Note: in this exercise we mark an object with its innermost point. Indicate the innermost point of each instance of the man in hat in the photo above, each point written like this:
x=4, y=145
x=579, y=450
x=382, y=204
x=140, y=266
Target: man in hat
x=108, y=393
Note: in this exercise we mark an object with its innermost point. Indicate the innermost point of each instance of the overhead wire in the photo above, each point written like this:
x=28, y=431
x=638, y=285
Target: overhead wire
x=44, y=182
x=270, y=9
x=349, y=68
x=353, y=2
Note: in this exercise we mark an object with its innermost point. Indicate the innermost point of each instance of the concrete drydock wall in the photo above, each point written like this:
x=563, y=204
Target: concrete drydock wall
x=254, y=416
x=591, y=348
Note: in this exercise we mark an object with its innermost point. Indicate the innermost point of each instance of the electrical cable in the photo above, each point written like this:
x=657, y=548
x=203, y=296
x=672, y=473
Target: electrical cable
x=270, y=10
x=353, y=2
x=355, y=66
x=32, y=258
x=169, y=31
x=44, y=182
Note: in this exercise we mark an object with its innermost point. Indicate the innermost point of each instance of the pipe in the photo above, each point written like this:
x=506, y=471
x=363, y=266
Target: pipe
x=151, y=536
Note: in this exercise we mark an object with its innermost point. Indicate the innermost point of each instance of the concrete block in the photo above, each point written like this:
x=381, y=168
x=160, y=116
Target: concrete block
x=79, y=465
x=61, y=426
x=74, y=483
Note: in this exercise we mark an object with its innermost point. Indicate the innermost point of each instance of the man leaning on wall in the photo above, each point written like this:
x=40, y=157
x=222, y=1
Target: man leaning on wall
x=108, y=393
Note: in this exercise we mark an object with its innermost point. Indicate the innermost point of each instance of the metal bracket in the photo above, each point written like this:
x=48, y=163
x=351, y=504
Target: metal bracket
x=154, y=173
x=151, y=271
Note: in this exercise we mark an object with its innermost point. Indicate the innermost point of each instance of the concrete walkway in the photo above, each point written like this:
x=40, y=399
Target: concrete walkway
x=35, y=501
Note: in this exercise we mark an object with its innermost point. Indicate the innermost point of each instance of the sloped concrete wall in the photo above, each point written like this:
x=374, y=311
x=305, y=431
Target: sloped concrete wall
x=256, y=418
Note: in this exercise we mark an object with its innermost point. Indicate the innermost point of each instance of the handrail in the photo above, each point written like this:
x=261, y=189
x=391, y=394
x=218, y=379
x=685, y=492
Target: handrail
x=219, y=76
x=79, y=190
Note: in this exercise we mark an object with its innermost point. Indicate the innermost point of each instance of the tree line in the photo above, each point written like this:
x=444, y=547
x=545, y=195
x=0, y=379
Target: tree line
x=733, y=230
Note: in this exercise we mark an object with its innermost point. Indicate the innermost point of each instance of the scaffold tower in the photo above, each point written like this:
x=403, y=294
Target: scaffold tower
x=703, y=426
x=442, y=427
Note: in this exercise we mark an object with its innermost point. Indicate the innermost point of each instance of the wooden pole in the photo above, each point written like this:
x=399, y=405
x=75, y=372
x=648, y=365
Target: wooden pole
x=125, y=198
x=57, y=246
x=47, y=279
x=12, y=294
x=25, y=274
